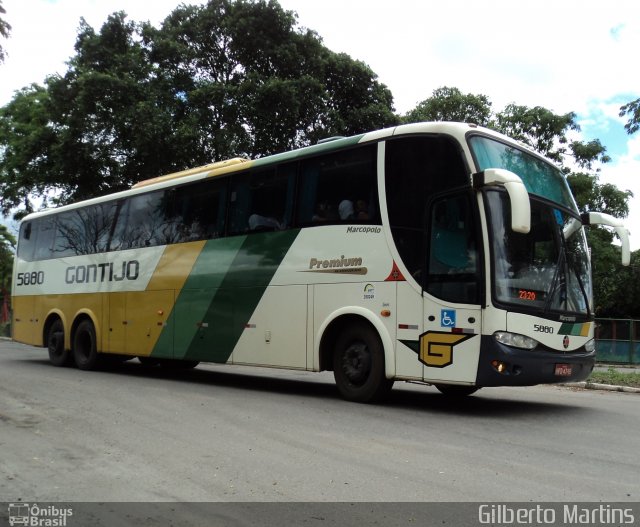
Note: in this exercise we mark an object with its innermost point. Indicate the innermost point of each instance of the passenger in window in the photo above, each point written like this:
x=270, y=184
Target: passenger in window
x=323, y=212
x=362, y=210
x=345, y=210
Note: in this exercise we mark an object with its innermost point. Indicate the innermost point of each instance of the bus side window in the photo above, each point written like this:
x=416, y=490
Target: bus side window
x=84, y=230
x=68, y=240
x=199, y=210
x=239, y=203
x=26, y=239
x=260, y=201
x=45, y=237
x=143, y=222
x=339, y=187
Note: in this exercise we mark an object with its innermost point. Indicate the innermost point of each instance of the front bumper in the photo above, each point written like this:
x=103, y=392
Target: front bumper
x=529, y=367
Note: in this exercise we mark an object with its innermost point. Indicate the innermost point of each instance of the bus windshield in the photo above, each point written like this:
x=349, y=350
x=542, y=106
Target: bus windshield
x=539, y=177
x=546, y=270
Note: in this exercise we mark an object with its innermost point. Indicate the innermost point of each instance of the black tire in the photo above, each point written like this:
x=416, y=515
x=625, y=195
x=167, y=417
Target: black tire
x=456, y=390
x=358, y=365
x=58, y=355
x=85, y=349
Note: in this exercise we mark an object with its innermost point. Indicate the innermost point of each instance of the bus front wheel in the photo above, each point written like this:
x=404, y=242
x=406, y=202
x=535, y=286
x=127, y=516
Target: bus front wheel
x=358, y=365
x=85, y=349
x=58, y=356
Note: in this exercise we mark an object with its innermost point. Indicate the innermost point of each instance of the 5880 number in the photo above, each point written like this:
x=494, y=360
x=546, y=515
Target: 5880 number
x=32, y=278
x=543, y=329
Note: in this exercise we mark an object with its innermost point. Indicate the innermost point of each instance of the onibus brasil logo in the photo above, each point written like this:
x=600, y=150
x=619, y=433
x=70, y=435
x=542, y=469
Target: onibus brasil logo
x=38, y=516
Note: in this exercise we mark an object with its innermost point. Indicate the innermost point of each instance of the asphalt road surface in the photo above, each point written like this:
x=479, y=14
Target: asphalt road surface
x=226, y=433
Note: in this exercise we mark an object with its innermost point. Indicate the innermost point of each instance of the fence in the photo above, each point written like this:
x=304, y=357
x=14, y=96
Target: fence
x=618, y=341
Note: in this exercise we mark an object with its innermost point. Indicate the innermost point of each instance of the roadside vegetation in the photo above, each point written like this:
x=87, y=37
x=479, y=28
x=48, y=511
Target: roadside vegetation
x=616, y=376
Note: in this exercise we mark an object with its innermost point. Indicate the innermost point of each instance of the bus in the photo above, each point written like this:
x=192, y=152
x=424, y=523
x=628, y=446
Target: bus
x=439, y=253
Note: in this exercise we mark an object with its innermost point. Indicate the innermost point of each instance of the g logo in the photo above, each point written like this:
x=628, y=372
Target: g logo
x=436, y=347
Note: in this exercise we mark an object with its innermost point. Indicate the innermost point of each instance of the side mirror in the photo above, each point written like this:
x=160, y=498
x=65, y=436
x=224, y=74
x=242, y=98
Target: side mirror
x=600, y=218
x=518, y=195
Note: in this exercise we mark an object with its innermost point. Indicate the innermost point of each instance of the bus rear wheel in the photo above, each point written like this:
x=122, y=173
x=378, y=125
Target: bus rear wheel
x=358, y=365
x=85, y=349
x=58, y=355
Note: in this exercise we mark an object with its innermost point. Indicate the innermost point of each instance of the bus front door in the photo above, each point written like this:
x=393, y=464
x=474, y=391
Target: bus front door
x=450, y=343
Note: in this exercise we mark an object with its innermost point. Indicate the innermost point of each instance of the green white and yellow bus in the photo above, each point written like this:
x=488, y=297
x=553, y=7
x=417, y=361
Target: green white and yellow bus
x=441, y=253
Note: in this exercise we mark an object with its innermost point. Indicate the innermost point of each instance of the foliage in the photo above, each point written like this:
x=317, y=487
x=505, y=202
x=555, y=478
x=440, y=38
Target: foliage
x=229, y=78
x=7, y=246
x=593, y=196
x=632, y=109
x=26, y=143
x=450, y=104
x=5, y=29
x=538, y=128
x=611, y=294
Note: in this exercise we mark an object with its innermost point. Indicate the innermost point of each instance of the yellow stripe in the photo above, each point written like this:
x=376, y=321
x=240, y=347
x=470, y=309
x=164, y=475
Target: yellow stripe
x=148, y=311
x=174, y=266
x=214, y=169
x=585, y=329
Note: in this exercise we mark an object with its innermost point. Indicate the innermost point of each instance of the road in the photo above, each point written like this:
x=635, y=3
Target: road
x=227, y=433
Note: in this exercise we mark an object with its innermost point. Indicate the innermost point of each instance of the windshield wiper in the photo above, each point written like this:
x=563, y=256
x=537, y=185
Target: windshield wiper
x=555, y=280
x=565, y=266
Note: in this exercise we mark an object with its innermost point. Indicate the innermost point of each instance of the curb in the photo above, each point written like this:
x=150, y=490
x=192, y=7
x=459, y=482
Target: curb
x=604, y=387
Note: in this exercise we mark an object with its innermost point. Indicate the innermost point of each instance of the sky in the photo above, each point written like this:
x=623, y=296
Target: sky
x=566, y=55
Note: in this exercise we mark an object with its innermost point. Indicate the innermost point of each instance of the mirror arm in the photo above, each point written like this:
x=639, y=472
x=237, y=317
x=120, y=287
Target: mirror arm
x=518, y=195
x=600, y=218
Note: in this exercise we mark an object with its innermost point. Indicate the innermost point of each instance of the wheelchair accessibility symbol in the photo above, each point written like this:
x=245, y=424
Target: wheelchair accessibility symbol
x=448, y=318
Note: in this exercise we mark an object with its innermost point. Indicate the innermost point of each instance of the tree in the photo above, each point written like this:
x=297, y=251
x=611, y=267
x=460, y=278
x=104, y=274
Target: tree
x=229, y=78
x=7, y=247
x=85, y=133
x=450, y=104
x=5, y=30
x=249, y=82
x=632, y=109
x=26, y=144
x=593, y=196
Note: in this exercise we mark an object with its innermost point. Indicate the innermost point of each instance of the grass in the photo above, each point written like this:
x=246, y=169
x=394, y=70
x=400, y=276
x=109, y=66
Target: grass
x=617, y=377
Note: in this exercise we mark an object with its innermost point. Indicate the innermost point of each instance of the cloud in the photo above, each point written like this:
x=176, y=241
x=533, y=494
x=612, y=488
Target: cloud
x=44, y=32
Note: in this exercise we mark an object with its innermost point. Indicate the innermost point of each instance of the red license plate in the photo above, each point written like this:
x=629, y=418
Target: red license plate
x=563, y=370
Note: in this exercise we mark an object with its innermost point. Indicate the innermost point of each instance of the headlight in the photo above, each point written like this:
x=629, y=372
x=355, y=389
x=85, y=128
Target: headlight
x=590, y=346
x=515, y=339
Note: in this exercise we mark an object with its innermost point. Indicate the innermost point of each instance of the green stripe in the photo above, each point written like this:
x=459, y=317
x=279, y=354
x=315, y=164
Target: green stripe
x=412, y=344
x=208, y=272
x=568, y=328
x=228, y=280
